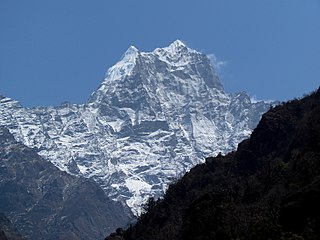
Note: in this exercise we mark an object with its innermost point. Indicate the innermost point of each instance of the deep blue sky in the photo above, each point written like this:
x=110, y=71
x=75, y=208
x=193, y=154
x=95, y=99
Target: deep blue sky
x=59, y=50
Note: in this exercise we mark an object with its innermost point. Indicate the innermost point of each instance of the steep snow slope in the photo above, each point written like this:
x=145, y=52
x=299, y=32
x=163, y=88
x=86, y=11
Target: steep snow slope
x=155, y=115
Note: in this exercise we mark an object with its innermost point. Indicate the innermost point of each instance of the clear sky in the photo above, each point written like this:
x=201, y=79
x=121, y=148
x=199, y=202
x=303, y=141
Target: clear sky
x=59, y=50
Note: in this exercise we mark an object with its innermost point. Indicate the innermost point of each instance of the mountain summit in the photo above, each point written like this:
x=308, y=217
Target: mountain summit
x=177, y=44
x=155, y=115
x=176, y=69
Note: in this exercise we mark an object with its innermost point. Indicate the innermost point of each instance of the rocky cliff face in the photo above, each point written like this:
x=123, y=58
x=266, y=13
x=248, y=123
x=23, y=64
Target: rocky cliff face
x=155, y=115
x=45, y=203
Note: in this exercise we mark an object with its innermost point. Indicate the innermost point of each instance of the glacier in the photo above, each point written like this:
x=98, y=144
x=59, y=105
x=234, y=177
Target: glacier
x=155, y=116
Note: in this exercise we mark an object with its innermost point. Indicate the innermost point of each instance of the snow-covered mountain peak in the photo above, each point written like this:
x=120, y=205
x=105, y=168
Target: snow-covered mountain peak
x=177, y=53
x=120, y=70
x=176, y=45
x=125, y=65
x=144, y=77
x=131, y=54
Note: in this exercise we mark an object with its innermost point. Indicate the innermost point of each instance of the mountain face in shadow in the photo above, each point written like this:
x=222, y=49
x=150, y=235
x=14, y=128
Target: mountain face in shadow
x=268, y=189
x=43, y=202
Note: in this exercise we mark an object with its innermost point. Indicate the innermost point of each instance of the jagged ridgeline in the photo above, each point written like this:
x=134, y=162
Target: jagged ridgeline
x=268, y=189
x=156, y=115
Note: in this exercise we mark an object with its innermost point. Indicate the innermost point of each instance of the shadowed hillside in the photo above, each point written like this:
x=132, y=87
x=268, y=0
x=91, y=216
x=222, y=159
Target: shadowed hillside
x=268, y=189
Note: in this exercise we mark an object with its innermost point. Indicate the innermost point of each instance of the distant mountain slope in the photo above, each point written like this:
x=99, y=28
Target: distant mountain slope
x=45, y=203
x=268, y=189
x=155, y=115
